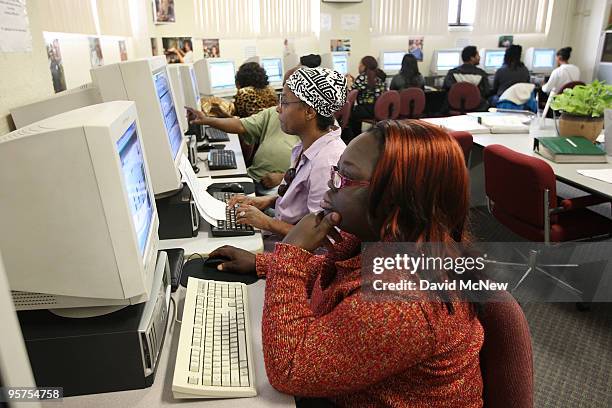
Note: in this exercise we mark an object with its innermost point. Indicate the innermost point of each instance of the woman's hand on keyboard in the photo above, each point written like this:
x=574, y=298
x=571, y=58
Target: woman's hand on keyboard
x=251, y=215
x=238, y=260
x=261, y=203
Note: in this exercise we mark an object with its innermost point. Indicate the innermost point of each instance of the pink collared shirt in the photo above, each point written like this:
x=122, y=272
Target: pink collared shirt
x=312, y=174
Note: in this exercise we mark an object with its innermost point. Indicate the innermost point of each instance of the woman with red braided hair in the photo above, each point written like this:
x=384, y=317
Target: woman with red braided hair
x=323, y=335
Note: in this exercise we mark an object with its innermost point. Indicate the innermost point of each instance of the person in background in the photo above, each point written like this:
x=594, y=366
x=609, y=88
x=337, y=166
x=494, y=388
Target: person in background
x=370, y=84
x=409, y=75
x=185, y=54
x=323, y=335
x=310, y=60
x=469, y=72
x=513, y=71
x=253, y=91
x=309, y=99
x=564, y=73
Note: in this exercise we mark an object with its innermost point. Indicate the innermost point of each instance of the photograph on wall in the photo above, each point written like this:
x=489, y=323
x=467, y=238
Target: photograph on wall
x=123, y=55
x=95, y=52
x=154, y=50
x=178, y=49
x=415, y=47
x=340, y=45
x=211, y=48
x=288, y=47
x=163, y=11
x=505, y=41
x=55, y=64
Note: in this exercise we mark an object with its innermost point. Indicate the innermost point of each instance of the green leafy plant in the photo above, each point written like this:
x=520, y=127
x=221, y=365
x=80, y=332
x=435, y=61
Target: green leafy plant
x=585, y=100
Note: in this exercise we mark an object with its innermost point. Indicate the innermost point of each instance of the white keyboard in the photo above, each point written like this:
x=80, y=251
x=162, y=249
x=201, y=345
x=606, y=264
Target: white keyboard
x=214, y=356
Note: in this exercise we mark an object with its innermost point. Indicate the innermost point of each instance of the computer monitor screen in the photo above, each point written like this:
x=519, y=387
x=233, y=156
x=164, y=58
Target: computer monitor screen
x=170, y=119
x=606, y=52
x=273, y=68
x=392, y=61
x=494, y=59
x=340, y=63
x=544, y=58
x=447, y=60
x=135, y=181
x=221, y=74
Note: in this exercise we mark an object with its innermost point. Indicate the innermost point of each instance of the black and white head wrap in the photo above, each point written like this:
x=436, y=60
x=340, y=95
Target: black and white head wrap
x=322, y=89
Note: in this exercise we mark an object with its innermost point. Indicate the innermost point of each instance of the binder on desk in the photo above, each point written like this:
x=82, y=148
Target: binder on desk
x=573, y=149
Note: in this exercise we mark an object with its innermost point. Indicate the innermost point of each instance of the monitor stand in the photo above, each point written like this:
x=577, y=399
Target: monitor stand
x=85, y=312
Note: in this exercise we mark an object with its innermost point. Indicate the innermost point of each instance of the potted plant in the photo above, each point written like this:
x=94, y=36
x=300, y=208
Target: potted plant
x=582, y=109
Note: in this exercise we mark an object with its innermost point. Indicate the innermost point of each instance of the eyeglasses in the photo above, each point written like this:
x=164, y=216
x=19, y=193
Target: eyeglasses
x=283, y=102
x=339, y=181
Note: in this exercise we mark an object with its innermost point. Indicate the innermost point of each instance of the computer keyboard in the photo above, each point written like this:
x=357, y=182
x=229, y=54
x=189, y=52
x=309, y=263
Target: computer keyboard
x=221, y=160
x=216, y=135
x=229, y=228
x=214, y=356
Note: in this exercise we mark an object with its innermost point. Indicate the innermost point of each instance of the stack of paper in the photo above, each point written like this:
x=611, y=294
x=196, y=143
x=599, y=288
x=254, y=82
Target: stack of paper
x=459, y=123
x=505, y=124
x=599, y=174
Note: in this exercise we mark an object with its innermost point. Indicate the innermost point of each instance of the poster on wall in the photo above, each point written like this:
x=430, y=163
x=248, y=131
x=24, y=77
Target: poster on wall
x=349, y=22
x=163, y=11
x=340, y=45
x=211, y=48
x=95, y=52
x=178, y=49
x=288, y=47
x=505, y=41
x=154, y=49
x=123, y=55
x=415, y=47
x=56, y=65
x=326, y=22
x=14, y=27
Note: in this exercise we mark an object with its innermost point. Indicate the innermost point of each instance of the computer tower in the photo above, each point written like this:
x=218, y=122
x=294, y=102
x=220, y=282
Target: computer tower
x=178, y=215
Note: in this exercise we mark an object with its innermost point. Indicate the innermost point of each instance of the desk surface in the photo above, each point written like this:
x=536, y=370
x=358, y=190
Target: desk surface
x=160, y=393
x=566, y=172
x=233, y=144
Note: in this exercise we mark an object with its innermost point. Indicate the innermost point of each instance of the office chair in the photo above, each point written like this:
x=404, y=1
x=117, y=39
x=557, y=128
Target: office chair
x=412, y=103
x=570, y=85
x=506, y=357
x=463, y=97
x=521, y=192
x=466, y=141
x=344, y=115
x=387, y=106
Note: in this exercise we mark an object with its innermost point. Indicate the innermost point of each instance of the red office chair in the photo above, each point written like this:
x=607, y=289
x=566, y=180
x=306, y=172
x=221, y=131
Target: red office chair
x=387, y=106
x=412, y=103
x=466, y=141
x=570, y=85
x=344, y=114
x=522, y=195
x=506, y=357
x=463, y=97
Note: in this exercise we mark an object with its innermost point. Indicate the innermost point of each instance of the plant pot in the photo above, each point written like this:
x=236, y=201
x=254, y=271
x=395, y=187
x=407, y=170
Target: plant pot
x=585, y=126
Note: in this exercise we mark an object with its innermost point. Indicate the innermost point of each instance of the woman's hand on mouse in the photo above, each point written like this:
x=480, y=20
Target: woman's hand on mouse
x=251, y=215
x=239, y=260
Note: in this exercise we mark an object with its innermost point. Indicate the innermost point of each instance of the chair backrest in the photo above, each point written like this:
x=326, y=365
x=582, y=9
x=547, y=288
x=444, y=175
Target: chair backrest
x=387, y=106
x=506, y=357
x=412, y=103
x=466, y=141
x=344, y=114
x=464, y=97
x=516, y=183
x=570, y=85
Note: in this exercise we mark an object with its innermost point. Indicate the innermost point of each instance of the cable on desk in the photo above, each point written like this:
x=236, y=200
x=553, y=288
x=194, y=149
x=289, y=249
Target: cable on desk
x=175, y=311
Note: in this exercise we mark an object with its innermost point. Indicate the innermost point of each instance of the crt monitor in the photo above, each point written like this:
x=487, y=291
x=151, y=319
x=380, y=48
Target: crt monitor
x=91, y=204
x=492, y=59
x=338, y=61
x=391, y=61
x=215, y=76
x=274, y=69
x=540, y=60
x=190, y=86
x=178, y=94
x=146, y=82
x=445, y=60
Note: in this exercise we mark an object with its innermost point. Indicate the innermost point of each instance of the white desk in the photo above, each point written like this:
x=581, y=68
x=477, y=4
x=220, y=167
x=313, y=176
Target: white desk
x=204, y=243
x=233, y=144
x=565, y=172
x=160, y=393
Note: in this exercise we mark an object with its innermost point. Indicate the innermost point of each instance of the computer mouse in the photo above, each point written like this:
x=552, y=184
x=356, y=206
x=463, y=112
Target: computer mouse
x=214, y=262
x=232, y=188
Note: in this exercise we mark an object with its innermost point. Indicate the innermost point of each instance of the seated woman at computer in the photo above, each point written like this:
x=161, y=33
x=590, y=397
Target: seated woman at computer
x=322, y=335
x=469, y=72
x=409, y=75
x=513, y=71
x=370, y=84
x=564, y=73
x=309, y=99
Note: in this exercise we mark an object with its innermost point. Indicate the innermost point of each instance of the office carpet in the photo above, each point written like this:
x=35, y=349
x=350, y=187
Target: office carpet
x=572, y=349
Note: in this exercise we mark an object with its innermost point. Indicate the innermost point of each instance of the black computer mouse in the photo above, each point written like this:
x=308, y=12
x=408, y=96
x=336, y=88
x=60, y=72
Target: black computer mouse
x=207, y=269
x=232, y=188
x=214, y=262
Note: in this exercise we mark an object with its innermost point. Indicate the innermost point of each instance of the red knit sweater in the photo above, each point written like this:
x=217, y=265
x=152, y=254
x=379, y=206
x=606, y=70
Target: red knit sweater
x=321, y=338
